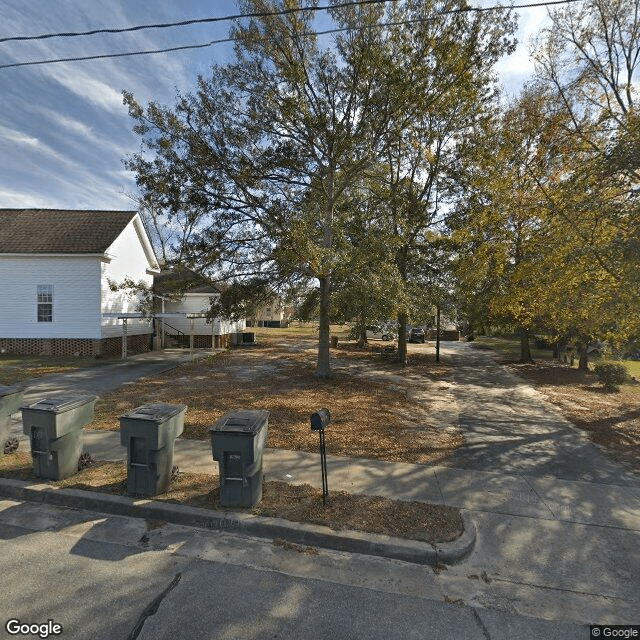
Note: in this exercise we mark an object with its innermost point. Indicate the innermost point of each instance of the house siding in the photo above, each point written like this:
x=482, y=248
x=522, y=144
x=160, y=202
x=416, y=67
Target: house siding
x=190, y=303
x=128, y=259
x=76, y=291
x=203, y=332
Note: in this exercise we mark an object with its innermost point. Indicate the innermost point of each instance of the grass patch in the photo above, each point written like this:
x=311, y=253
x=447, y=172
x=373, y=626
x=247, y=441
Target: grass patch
x=300, y=330
x=297, y=503
x=510, y=347
x=633, y=366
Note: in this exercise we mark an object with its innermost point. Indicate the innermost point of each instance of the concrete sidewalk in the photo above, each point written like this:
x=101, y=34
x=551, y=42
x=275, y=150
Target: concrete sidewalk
x=546, y=498
x=493, y=472
x=510, y=494
x=543, y=547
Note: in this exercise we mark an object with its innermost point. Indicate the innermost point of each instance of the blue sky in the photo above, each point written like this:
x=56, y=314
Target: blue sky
x=63, y=128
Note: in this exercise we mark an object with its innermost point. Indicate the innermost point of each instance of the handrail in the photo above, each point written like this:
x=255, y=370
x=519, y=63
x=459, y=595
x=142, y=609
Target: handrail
x=178, y=332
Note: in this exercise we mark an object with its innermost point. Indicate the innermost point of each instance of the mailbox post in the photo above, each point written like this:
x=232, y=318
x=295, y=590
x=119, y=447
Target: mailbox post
x=319, y=421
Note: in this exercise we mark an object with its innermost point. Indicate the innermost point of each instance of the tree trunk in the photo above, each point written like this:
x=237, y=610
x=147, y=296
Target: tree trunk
x=402, y=338
x=362, y=329
x=583, y=363
x=401, y=261
x=324, y=365
x=525, y=350
x=438, y=336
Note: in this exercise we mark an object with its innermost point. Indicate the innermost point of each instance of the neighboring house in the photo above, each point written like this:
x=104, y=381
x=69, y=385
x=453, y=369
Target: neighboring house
x=55, y=269
x=195, y=293
x=448, y=329
x=275, y=314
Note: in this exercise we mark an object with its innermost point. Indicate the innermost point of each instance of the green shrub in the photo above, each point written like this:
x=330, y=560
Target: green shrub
x=611, y=374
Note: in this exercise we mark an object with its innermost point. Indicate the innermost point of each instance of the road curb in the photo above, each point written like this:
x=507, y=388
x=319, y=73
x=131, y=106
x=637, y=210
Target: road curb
x=373, y=544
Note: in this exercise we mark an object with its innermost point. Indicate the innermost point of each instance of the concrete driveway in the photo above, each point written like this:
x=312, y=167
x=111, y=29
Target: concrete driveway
x=105, y=378
x=510, y=427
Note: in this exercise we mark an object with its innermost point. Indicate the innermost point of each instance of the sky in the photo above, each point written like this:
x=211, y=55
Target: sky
x=64, y=131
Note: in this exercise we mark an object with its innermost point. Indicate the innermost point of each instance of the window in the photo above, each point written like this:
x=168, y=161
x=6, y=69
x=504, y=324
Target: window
x=45, y=303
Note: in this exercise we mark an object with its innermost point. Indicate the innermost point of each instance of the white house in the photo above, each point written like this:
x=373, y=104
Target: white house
x=55, y=268
x=274, y=314
x=185, y=292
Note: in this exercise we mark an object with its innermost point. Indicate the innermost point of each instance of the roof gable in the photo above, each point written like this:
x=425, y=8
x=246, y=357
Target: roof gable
x=57, y=231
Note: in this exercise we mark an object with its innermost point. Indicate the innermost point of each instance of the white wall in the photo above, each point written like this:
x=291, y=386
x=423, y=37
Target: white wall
x=128, y=259
x=190, y=303
x=199, y=303
x=76, y=296
x=272, y=312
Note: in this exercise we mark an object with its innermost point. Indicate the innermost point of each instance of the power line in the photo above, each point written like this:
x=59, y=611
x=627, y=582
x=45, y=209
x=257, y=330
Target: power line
x=263, y=14
x=248, y=15
x=116, y=55
x=166, y=25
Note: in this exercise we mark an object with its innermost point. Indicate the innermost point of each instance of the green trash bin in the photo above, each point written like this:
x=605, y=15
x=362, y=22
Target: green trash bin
x=149, y=433
x=55, y=428
x=238, y=440
x=10, y=401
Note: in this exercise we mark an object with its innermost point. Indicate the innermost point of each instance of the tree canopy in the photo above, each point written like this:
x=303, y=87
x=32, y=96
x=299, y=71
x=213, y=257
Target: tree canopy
x=267, y=152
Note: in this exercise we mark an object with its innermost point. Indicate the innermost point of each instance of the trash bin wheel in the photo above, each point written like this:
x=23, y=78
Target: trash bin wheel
x=11, y=445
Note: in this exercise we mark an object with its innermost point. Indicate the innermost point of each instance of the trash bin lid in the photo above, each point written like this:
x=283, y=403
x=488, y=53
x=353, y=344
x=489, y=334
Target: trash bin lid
x=158, y=412
x=244, y=421
x=60, y=404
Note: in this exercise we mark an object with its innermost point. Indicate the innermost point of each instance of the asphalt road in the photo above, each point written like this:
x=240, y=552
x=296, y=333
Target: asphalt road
x=105, y=577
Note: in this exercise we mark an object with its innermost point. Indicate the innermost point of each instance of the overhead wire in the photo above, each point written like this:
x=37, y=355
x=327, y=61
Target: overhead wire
x=543, y=3
x=182, y=23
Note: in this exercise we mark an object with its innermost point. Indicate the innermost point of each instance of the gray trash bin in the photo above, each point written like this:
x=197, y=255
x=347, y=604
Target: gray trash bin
x=149, y=433
x=54, y=426
x=237, y=443
x=10, y=401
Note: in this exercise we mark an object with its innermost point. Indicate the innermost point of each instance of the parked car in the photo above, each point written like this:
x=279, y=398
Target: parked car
x=376, y=332
x=417, y=335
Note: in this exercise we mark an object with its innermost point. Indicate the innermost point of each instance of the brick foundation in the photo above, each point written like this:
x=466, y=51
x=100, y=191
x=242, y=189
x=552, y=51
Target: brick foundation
x=202, y=341
x=69, y=347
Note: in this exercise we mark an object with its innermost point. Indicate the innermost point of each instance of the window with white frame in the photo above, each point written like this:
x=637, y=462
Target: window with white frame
x=45, y=303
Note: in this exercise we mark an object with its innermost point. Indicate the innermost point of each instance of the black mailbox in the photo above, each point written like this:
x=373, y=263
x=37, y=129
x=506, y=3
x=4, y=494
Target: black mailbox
x=320, y=419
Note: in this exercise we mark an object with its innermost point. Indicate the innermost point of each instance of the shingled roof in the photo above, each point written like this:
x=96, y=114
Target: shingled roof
x=179, y=279
x=60, y=231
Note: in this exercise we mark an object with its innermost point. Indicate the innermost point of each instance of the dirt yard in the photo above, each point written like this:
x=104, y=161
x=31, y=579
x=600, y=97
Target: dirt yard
x=298, y=503
x=372, y=401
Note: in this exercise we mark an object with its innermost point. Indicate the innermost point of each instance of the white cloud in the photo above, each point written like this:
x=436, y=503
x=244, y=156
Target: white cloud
x=34, y=145
x=519, y=67
x=88, y=88
x=18, y=137
x=21, y=200
x=71, y=124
